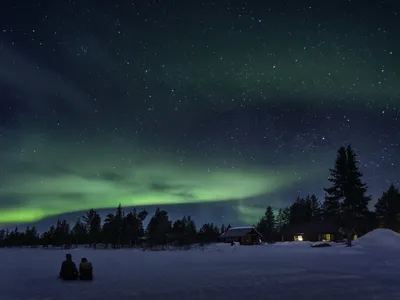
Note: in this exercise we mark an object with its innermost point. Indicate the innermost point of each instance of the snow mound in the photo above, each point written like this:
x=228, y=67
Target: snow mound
x=381, y=238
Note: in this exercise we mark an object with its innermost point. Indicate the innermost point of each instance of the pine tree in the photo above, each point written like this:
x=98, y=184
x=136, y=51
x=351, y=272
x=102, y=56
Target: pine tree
x=346, y=199
x=92, y=222
x=314, y=207
x=138, y=228
x=209, y=233
x=119, y=217
x=48, y=237
x=133, y=226
x=159, y=228
x=355, y=203
x=184, y=231
x=267, y=225
x=109, y=231
x=300, y=211
x=31, y=236
x=335, y=194
x=223, y=229
x=282, y=218
x=387, y=209
x=280, y=221
x=3, y=237
x=191, y=230
x=62, y=234
x=178, y=229
x=78, y=232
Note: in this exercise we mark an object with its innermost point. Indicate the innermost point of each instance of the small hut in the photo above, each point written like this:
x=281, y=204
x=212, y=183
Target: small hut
x=243, y=235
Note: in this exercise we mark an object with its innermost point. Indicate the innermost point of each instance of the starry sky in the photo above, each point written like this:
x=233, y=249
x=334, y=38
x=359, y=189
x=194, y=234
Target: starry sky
x=210, y=108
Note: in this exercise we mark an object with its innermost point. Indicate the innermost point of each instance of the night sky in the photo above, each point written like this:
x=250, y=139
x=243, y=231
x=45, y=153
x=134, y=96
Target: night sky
x=216, y=109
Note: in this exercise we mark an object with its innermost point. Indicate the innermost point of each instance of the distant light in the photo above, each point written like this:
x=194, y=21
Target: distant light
x=298, y=238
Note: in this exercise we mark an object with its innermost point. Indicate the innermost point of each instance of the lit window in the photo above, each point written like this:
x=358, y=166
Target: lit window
x=326, y=237
x=298, y=238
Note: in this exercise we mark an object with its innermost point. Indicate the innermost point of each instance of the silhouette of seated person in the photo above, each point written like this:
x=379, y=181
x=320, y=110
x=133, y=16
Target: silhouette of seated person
x=85, y=270
x=68, y=269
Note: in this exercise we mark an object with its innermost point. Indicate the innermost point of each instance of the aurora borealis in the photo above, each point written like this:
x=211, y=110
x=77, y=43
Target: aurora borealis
x=216, y=109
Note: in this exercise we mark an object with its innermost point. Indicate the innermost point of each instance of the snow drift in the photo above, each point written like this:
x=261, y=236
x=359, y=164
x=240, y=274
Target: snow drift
x=379, y=238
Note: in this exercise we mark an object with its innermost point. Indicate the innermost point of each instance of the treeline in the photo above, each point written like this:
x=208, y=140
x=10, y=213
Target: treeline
x=117, y=230
x=346, y=203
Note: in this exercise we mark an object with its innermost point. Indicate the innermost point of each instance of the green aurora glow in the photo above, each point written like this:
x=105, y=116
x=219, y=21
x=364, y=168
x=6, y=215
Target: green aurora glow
x=51, y=177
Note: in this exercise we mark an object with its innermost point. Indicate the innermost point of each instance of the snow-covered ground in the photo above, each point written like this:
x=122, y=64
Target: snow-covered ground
x=279, y=271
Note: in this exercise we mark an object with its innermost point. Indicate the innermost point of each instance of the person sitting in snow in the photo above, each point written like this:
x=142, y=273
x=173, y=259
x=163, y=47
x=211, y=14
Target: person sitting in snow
x=68, y=269
x=85, y=270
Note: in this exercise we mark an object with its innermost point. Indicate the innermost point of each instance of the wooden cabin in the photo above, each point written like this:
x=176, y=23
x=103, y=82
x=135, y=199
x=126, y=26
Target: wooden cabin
x=319, y=230
x=243, y=235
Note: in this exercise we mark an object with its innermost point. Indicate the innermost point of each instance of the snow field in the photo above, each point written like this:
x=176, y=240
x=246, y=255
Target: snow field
x=277, y=271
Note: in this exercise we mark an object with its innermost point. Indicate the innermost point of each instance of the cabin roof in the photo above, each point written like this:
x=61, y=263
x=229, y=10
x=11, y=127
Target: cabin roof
x=237, y=232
